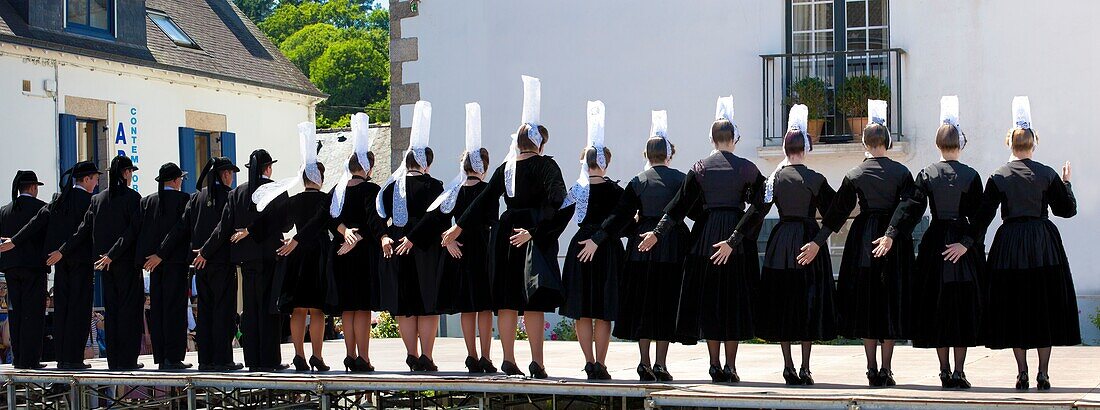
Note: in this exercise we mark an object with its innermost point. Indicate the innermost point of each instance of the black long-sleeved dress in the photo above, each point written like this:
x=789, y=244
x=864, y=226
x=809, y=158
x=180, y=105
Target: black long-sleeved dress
x=716, y=301
x=873, y=294
x=302, y=279
x=650, y=282
x=410, y=283
x=356, y=273
x=591, y=289
x=1031, y=302
x=540, y=191
x=947, y=308
x=794, y=302
x=466, y=285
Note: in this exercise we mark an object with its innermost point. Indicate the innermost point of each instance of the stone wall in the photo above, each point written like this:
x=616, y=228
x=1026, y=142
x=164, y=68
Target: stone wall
x=334, y=153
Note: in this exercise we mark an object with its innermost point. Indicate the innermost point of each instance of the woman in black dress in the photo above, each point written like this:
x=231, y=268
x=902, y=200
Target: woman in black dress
x=525, y=243
x=1031, y=302
x=794, y=299
x=590, y=282
x=872, y=294
x=716, y=298
x=466, y=271
x=650, y=287
x=351, y=218
x=947, y=306
x=410, y=276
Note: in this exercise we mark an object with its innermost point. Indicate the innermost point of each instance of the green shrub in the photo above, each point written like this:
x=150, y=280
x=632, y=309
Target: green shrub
x=812, y=92
x=853, y=95
x=565, y=330
x=386, y=327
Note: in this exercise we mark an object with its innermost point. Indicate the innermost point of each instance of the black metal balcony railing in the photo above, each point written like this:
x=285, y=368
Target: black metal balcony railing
x=780, y=71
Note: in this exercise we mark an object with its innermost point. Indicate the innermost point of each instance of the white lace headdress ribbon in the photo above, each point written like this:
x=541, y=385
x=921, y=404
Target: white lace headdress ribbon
x=797, y=120
x=579, y=192
x=360, y=143
x=1021, y=112
x=724, y=110
x=532, y=98
x=876, y=113
x=446, y=201
x=658, y=127
x=949, y=114
x=418, y=144
x=307, y=145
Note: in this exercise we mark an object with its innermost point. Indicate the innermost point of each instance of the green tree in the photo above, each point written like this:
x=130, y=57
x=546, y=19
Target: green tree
x=288, y=18
x=353, y=72
x=309, y=43
x=257, y=10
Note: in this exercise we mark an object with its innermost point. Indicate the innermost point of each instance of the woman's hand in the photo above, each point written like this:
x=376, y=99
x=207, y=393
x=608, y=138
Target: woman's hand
x=451, y=235
x=344, y=249
x=722, y=253
x=404, y=246
x=954, y=252
x=351, y=236
x=809, y=252
x=455, y=249
x=520, y=238
x=1067, y=170
x=884, y=244
x=648, y=240
x=151, y=262
x=237, y=236
x=589, y=249
x=287, y=248
x=387, y=247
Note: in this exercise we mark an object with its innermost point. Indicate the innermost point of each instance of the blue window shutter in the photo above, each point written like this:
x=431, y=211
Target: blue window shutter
x=187, y=157
x=66, y=142
x=229, y=148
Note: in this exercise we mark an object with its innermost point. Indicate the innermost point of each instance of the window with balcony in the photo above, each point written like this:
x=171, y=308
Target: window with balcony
x=838, y=56
x=90, y=17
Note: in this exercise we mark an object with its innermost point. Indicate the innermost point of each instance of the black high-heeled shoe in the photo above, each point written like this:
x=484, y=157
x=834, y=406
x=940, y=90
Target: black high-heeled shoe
x=731, y=374
x=317, y=364
x=427, y=365
x=413, y=363
x=645, y=373
x=537, y=371
x=1021, y=381
x=511, y=369
x=806, y=377
x=362, y=365
x=662, y=373
x=471, y=365
x=873, y=379
x=791, y=377
x=300, y=364
x=349, y=364
x=486, y=365
x=717, y=375
x=601, y=372
x=958, y=381
x=946, y=381
x=887, y=377
x=589, y=371
x=1042, y=381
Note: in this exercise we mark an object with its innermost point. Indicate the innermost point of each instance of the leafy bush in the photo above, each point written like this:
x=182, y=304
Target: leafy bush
x=565, y=330
x=812, y=92
x=386, y=327
x=853, y=95
x=1095, y=318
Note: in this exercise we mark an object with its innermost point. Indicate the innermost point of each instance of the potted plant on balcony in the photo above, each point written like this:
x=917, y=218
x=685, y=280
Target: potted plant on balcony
x=810, y=91
x=853, y=96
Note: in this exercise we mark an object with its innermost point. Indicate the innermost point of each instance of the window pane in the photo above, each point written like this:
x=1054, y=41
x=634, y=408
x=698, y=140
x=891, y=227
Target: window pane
x=169, y=27
x=823, y=41
x=76, y=11
x=85, y=140
x=877, y=39
x=800, y=16
x=803, y=43
x=202, y=149
x=857, y=40
x=823, y=16
x=857, y=14
x=97, y=14
x=876, y=12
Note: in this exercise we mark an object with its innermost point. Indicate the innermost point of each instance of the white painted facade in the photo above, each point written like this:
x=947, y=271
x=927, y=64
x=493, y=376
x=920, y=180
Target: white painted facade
x=679, y=56
x=260, y=117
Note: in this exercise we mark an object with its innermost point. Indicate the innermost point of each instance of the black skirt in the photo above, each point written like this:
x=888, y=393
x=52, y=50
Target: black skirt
x=716, y=301
x=591, y=289
x=303, y=280
x=873, y=294
x=650, y=286
x=509, y=266
x=947, y=307
x=1031, y=302
x=410, y=283
x=356, y=275
x=795, y=303
x=466, y=286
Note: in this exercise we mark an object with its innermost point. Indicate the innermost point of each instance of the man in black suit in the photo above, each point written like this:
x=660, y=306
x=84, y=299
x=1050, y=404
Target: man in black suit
x=105, y=230
x=168, y=283
x=26, y=271
x=260, y=326
x=215, y=276
x=73, y=275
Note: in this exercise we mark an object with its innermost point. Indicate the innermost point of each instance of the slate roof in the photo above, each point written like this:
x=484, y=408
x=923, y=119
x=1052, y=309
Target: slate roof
x=233, y=48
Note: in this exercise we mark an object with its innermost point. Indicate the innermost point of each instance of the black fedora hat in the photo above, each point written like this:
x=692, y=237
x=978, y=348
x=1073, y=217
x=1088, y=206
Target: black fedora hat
x=84, y=168
x=260, y=157
x=223, y=163
x=169, y=172
x=23, y=178
x=122, y=163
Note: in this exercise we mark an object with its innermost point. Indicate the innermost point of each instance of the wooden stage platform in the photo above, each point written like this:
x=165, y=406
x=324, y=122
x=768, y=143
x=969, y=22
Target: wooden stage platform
x=838, y=370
